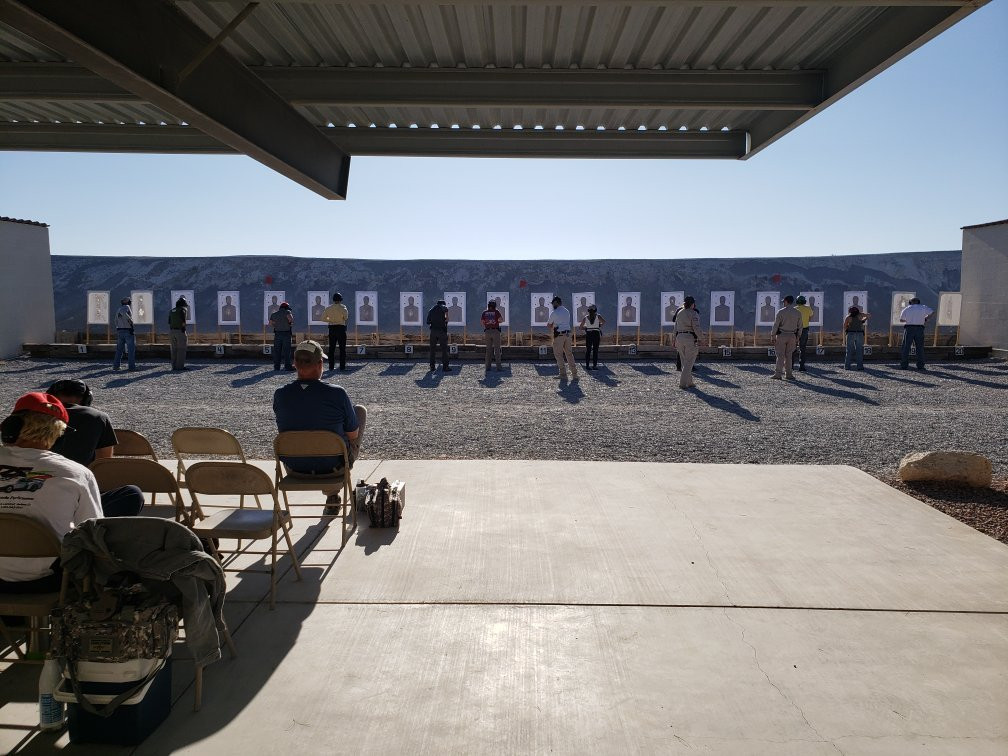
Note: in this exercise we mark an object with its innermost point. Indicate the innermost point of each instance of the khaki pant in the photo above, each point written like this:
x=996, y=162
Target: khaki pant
x=492, y=339
x=688, y=350
x=563, y=353
x=785, y=345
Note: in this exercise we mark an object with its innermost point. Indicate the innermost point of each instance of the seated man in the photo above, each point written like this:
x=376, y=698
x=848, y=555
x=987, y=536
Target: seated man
x=310, y=404
x=42, y=485
x=91, y=438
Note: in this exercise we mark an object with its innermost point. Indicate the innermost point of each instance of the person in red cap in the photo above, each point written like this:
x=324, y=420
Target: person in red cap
x=41, y=484
x=283, y=325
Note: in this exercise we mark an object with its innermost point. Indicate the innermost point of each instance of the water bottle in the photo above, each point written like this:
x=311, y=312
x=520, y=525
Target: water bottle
x=360, y=495
x=51, y=711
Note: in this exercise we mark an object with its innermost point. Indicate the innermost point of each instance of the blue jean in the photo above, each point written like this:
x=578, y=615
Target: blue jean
x=855, y=349
x=912, y=334
x=282, y=349
x=125, y=342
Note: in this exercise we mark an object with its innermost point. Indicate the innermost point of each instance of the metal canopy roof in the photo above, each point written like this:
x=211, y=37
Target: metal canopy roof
x=302, y=86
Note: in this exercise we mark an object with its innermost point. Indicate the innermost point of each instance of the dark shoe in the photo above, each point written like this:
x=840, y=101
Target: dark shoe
x=332, y=508
x=432, y=368
x=801, y=369
x=446, y=369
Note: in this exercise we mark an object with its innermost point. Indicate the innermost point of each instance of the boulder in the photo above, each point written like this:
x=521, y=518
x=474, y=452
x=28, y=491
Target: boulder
x=962, y=467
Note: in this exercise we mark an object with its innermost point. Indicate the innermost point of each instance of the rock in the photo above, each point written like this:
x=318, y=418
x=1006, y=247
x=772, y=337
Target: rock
x=948, y=467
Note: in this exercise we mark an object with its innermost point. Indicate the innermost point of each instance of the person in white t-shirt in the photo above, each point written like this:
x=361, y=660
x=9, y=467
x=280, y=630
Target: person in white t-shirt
x=560, y=322
x=913, y=317
x=42, y=485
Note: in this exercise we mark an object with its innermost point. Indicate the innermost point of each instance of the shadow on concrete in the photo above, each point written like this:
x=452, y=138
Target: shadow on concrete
x=372, y=539
x=398, y=368
x=726, y=405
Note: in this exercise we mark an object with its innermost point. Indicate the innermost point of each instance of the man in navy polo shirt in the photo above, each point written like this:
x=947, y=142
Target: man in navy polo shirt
x=310, y=404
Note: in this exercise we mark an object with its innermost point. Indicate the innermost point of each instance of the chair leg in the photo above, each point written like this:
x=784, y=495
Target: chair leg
x=290, y=550
x=227, y=639
x=13, y=641
x=198, y=697
x=272, y=604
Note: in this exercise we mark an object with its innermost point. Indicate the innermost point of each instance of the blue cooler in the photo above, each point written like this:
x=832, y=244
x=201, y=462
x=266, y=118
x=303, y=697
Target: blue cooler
x=134, y=719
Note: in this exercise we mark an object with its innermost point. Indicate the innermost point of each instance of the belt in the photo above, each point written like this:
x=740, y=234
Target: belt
x=490, y=329
x=180, y=330
x=561, y=333
x=678, y=332
x=913, y=325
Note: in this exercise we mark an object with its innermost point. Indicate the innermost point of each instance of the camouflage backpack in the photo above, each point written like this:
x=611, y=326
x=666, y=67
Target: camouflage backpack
x=115, y=625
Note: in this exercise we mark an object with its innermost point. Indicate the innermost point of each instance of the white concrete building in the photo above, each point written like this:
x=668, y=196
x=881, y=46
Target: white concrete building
x=26, y=287
x=984, y=285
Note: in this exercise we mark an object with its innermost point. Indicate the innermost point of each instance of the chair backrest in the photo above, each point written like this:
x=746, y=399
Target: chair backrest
x=227, y=478
x=361, y=411
x=208, y=441
x=24, y=537
x=132, y=444
x=145, y=474
x=314, y=443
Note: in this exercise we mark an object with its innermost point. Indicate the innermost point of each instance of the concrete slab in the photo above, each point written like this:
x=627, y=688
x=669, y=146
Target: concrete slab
x=609, y=608
x=663, y=534
x=575, y=680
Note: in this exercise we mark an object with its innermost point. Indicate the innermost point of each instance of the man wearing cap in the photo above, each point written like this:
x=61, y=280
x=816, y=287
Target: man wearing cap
x=125, y=338
x=283, y=324
x=491, y=320
x=806, y=317
x=787, y=325
x=913, y=317
x=311, y=404
x=42, y=485
x=437, y=319
x=560, y=322
x=90, y=436
x=337, y=315
x=178, y=316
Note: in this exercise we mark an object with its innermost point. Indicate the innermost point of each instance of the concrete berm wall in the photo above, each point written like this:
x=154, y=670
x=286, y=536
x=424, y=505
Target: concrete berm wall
x=26, y=287
x=984, y=318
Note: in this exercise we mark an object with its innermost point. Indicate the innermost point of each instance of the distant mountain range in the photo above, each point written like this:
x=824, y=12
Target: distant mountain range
x=927, y=273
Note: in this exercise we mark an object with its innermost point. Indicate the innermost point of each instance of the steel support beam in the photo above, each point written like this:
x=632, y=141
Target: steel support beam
x=901, y=29
x=143, y=46
x=366, y=141
x=396, y=87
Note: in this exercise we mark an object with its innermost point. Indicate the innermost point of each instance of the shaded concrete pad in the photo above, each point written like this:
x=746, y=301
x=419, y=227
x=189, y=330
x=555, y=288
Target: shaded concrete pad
x=647, y=533
x=533, y=679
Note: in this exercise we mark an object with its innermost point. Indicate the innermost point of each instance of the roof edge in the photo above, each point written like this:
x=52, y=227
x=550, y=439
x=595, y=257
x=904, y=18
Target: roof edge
x=984, y=225
x=24, y=221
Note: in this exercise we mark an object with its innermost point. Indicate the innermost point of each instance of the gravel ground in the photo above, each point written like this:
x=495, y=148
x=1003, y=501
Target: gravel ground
x=625, y=411
x=985, y=509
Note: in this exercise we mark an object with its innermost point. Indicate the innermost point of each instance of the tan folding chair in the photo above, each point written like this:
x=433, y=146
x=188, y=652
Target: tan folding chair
x=207, y=442
x=240, y=479
x=150, y=477
x=132, y=444
x=305, y=445
x=24, y=538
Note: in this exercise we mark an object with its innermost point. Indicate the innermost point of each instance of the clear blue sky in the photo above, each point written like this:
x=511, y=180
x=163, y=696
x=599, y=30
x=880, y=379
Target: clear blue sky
x=899, y=165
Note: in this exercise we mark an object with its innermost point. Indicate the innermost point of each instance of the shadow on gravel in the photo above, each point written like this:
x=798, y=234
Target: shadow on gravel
x=727, y=405
x=235, y=369
x=398, y=369
x=571, y=392
x=431, y=379
x=998, y=371
x=547, y=371
x=973, y=381
x=766, y=370
x=136, y=377
x=491, y=379
x=267, y=372
x=827, y=391
x=649, y=370
x=889, y=376
x=707, y=374
x=851, y=384
x=604, y=375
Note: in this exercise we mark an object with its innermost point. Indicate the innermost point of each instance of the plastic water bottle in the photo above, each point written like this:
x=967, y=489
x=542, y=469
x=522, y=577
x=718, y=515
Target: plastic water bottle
x=360, y=495
x=51, y=711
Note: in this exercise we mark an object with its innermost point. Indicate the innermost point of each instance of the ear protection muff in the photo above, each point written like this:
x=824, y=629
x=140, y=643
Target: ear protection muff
x=10, y=428
x=75, y=388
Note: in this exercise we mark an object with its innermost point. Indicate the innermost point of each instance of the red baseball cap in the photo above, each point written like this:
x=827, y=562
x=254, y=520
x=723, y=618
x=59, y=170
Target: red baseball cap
x=47, y=404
